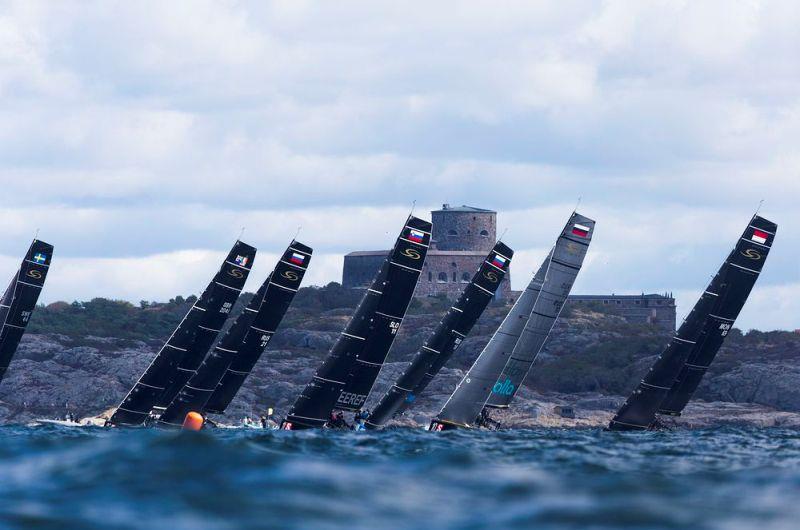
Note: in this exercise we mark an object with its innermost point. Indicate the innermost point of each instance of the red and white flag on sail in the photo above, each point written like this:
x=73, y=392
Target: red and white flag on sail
x=580, y=230
x=759, y=236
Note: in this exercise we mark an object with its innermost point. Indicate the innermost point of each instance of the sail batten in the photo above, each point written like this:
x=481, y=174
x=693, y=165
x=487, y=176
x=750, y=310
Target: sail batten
x=446, y=338
x=188, y=344
x=19, y=299
x=671, y=381
x=348, y=373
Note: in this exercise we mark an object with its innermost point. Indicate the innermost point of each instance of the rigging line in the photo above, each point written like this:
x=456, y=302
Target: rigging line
x=413, y=206
x=241, y=233
x=760, y=204
x=500, y=240
x=36, y=235
x=300, y=227
x=577, y=204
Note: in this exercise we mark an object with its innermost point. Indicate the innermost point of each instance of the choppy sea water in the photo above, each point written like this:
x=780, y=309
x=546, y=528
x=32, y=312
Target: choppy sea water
x=62, y=477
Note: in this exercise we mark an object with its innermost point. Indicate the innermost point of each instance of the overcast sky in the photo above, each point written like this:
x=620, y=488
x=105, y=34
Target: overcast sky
x=140, y=137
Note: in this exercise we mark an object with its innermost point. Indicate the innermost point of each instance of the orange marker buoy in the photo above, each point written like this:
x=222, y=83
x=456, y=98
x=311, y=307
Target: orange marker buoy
x=194, y=422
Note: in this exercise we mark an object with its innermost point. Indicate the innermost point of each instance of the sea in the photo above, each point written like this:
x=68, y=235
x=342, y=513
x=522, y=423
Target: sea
x=58, y=477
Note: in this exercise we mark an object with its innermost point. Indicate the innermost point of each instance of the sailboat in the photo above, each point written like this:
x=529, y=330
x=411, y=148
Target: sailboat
x=187, y=346
x=446, y=338
x=20, y=297
x=348, y=373
x=669, y=384
x=466, y=407
x=216, y=382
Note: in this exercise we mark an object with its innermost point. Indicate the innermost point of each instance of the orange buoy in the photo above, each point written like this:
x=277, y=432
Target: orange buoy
x=194, y=422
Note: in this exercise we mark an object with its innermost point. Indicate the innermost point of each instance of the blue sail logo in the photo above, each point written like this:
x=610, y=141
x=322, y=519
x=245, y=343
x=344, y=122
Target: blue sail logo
x=504, y=388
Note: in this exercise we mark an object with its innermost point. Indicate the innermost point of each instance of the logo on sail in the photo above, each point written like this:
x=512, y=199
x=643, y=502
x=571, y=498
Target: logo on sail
x=752, y=253
x=290, y=275
x=33, y=273
x=412, y=253
x=504, y=388
x=491, y=276
x=236, y=273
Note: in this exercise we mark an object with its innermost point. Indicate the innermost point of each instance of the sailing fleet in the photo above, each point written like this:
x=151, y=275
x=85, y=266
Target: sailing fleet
x=197, y=372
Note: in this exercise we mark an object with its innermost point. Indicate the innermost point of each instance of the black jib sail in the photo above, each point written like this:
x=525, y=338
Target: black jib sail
x=674, y=376
x=19, y=299
x=216, y=382
x=448, y=336
x=347, y=375
x=190, y=339
x=562, y=270
x=466, y=405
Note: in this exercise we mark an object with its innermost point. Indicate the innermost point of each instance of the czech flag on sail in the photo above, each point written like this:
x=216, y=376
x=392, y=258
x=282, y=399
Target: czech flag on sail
x=416, y=236
x=297, y=259
x=759, y=236
x=580, y=230
x=242, y=260
x=39, y=258
x=499, y=261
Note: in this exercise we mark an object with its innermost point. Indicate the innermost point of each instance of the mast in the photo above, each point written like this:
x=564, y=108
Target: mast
x=467, y=402
x=347, y=375
x=562, y=270
x=223, y=372
x=448, y=336
x=190, y=340
x=701, y=333
x=20, y=297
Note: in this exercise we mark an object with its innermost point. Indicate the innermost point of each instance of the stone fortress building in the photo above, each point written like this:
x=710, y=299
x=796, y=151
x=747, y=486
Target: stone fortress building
x=462, y=237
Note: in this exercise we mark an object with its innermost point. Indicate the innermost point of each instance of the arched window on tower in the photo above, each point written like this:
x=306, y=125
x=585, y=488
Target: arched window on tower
x=430, y=276
x=465, y=277
x=442, y=277
x=485, y=233
x=455, y=279
x=452, y=233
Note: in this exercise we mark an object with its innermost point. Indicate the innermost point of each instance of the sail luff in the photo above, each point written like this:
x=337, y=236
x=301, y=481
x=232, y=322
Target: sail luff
x=349, y=371
x=20, y=298
x=562, y=270
x=214, y=304
x=447, y=337
x=639, y=410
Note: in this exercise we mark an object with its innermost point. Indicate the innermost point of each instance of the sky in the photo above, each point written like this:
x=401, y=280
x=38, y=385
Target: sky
x=141, y=137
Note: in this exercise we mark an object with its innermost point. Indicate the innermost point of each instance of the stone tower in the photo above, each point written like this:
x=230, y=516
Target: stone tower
x=464, y=228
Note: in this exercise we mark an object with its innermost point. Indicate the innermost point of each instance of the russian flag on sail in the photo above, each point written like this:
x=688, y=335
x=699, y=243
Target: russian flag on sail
x=580, y=230
x=499, y=261
x=759, y=236
x=416, y=236
x=297, y=259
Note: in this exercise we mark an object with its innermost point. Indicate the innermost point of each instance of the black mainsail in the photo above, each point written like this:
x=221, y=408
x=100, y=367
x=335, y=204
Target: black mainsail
x=190, y=340
x=467, y=402
x=671, y=381
x=20, y=297
x=446, y=338
x=562, y=270
x=347, y=375
x=222, y=373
